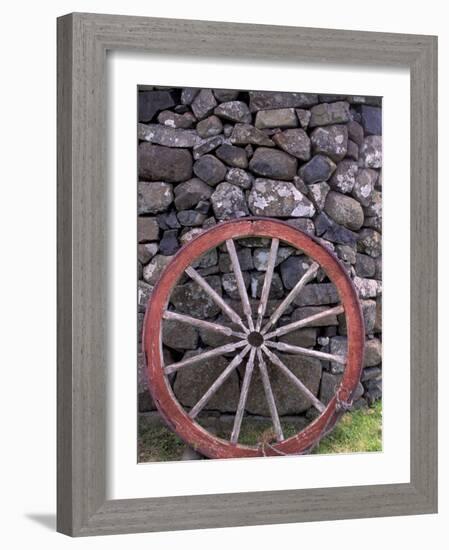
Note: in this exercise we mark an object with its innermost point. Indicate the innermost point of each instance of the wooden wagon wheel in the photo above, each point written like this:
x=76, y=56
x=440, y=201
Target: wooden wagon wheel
x=256, y=340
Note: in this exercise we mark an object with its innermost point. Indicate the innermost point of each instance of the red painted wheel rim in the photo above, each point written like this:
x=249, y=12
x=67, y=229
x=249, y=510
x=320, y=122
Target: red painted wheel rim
x=170, y=409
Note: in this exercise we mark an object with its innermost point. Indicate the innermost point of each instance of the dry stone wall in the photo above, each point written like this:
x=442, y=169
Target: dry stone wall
x=312, y=160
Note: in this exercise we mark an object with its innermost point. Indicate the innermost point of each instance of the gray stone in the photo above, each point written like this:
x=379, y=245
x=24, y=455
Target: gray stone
x=168, y=137
x=374, y=208
x=214, y=339
x=158, y=163
x=245, y=260
x=261, y=255
x=274, y=164
x=344, y=177
x=344, y=210
x=210, y=169
x=369, y=317
x=229, y=283
x=353, y=150
x=153, y=101
x=232, y=155
x=203, y=207
x=278, y=198
x=146, y=251
x=225, y=95
x=317, y=295
x=191, y=299
x=329, y=230
x=303, y=117
x=209, y=127
x=371, y=119
x=364, y=185
x=154, y=269
x=276, y=289
x=153, y=197
x=329, y=98
x=190, y=234
x=355, y=132
x=242, y=134
x=304, y=312
x=318, y=169
x=189, y=193
x=331, y=141
x=192, y=383
x=169, y=243
x=365, y=100
x=144, y=291
x=239, y=177
x=346, y=253
x=272, y=305
x=365, y=266
x=324, y=114
x=175, y=120
x=371, y=373
x=227, y=130
x=295, y=142
x=236, y=111
x=191, y=218
x=378, y=274
x=378, y=323
x=329, y=385
x=374, y=222
x=207, y=145
x=371, y=152
x=304, y=337
x=287, y=397
x=303, y=224
x=168, y=220
x=228, y=202
x=367, y=288
x=373, y=353
x=370, y=242
x=276, y=118
x=300, y=185
x=147, y=229
x=292, y=269
x=338, y=346
x=259, y=101
x=207, y=260
x=142, y=380
x=188, y=95
x=204, y=104
x=179, y=335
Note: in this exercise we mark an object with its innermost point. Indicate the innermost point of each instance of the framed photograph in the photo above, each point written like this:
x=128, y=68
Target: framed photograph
x=273, y=357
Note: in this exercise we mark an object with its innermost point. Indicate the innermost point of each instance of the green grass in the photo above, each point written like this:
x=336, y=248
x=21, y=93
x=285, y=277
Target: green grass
x=357, y=431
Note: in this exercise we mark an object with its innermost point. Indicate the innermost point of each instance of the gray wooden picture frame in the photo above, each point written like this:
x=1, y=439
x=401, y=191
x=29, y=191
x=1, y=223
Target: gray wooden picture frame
x=83, y=40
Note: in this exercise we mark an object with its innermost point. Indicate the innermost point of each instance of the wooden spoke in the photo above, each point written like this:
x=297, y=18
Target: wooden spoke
x=267, y=282
x=308, y=275
x=305, y=390
x=218, y=382
x=280, y=346
x=228, y=348
x=304, y=322
x=243, y=396
x=270, y=397
x=240, y=282
x=216, y=298
x=227, y=331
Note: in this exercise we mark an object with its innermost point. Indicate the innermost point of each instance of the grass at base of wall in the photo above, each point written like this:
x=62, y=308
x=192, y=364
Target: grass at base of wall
x=357, y=431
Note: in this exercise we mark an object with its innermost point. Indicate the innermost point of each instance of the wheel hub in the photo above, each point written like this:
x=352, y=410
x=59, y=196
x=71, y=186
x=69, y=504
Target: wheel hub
x=255, y=339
